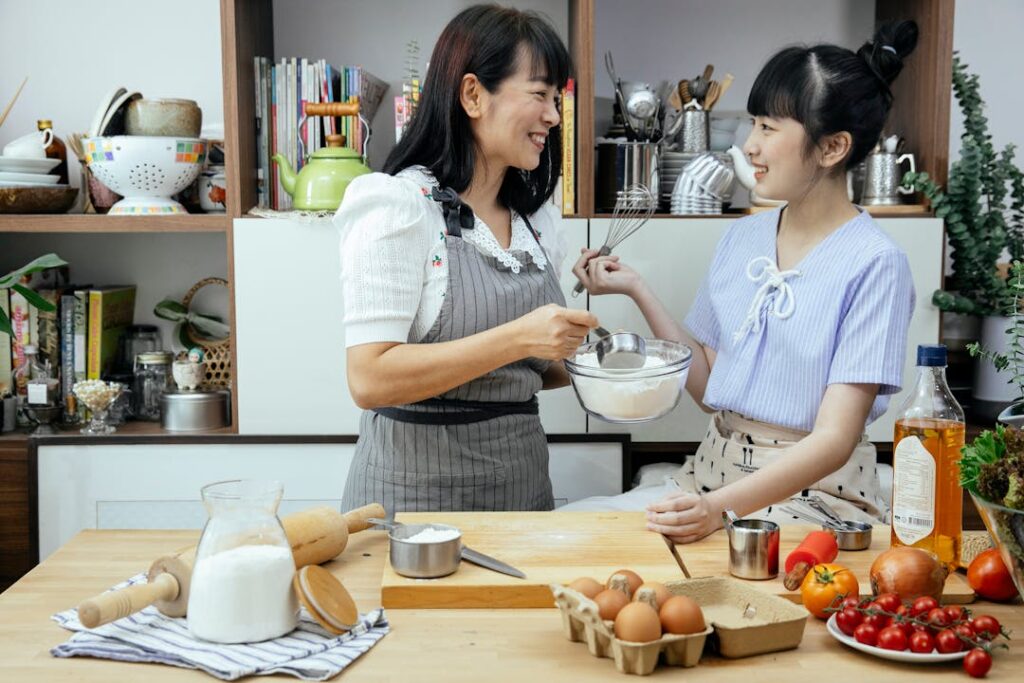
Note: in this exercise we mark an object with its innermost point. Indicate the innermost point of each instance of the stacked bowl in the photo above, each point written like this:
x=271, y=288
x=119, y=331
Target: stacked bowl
x=702, y=185
x=26, y=182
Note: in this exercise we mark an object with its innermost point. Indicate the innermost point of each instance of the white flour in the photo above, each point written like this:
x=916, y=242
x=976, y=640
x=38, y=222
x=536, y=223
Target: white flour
x=433, y=535
x=243, y=595
x=620, y=399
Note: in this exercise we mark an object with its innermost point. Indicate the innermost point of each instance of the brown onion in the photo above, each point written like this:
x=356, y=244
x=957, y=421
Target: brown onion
x=908, y=572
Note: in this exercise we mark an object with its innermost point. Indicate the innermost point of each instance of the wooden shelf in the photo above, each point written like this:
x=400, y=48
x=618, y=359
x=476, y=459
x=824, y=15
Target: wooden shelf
x=94, y=223
x=901, y=211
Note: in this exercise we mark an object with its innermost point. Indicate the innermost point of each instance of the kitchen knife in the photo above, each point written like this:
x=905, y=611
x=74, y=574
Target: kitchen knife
x=489, y=562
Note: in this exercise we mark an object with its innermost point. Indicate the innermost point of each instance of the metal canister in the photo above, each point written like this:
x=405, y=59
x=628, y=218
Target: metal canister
x=695, y=135
x=186, y=411
x=621, y=164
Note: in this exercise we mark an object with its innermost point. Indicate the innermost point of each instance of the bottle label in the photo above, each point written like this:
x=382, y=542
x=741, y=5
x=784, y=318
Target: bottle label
x=913, y=491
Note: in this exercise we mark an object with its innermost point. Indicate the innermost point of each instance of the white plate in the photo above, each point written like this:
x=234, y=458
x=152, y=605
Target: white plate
x=21, y=165
x=894, y=655
x=101, y=111
x=48, y=185
x=120, y=102
x=36, y=178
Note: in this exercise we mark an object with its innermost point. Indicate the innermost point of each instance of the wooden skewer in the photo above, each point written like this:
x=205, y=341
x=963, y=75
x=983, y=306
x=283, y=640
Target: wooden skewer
x=3, y=117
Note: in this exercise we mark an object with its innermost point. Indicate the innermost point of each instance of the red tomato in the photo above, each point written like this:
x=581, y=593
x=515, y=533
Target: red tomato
x=989, y=577
x=985, y=626
x=922, y=642
x=936, y=618
x=977, y=663
x=851, y=601
x=955, y=613
x=965, y=631
x=892, y=638
x=890, y=602
x=947, y=641
x=848, y=620
x=923, y=605
x=867, y=634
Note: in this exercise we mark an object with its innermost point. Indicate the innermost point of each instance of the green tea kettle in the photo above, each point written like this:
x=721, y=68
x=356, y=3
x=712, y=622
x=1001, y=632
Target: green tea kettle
x=321, y=183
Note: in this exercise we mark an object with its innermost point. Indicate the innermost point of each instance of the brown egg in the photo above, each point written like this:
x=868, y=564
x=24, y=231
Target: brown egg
x=637, y=623
x=681, y=614
x=660, y=592
x=609, y=602
x=632, y=578
x=588, y=586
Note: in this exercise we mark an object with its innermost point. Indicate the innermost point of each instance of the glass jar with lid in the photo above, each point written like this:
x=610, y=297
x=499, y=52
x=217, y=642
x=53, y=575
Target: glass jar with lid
x=152, y=379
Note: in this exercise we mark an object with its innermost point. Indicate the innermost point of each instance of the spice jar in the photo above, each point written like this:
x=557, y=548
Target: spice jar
x=152, y=379
x=241, y=586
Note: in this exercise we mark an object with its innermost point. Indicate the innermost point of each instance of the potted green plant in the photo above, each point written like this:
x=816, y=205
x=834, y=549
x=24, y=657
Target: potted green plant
x=982, y=206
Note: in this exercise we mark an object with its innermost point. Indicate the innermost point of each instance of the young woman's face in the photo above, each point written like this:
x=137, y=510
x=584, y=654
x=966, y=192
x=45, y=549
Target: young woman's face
x=776, y=149
x=513, y=122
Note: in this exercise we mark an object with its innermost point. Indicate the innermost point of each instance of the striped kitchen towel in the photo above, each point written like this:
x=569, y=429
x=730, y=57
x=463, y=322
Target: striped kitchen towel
x=309, y=652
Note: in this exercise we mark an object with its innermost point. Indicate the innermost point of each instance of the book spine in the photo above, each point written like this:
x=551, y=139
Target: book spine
x=81, y=330
x=6, y=370
x=20, y=326
x=95, y=334
x=67, y=346
x=569, y=149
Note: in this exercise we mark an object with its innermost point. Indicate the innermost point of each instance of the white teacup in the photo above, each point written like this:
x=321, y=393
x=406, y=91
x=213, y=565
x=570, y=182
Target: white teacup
x=31, y=146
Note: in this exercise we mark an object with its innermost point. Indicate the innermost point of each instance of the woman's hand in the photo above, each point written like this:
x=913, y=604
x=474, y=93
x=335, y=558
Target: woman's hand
x=553, y=332
x=604, y=274
x=684, y=517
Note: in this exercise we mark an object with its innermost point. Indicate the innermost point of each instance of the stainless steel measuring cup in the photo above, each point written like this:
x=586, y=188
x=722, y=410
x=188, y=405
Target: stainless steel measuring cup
x=421, y=560
x=620, y=350
x=753, y=547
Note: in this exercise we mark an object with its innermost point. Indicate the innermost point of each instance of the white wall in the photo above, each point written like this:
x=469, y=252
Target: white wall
x=987, y=34
x=76, y=51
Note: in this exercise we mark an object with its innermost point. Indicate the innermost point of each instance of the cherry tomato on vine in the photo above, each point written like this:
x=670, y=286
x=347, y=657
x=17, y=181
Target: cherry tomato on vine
x=922, y=642
x=977, y=663
x=867, y=634
x=892, y=638
x=848, y=620
x=947, y=641
x=985, y=626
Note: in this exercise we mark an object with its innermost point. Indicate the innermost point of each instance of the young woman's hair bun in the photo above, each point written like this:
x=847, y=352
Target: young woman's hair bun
x=885, y=54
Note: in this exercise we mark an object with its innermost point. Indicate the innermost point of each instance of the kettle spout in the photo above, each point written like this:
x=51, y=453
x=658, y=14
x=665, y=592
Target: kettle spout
x=287, y=173
x=744, y=169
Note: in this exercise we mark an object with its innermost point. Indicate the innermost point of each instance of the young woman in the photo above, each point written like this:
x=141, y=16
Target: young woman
x=454, y=314
x=799, y=328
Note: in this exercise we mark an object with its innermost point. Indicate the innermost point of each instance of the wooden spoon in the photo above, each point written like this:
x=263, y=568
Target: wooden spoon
x=712, y=96
x=724, y=85
x=7, y=110
x=684, y=91
x=708, y=70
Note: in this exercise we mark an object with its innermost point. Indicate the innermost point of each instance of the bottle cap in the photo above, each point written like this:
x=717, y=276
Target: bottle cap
x=931, y=355
x=43, y=124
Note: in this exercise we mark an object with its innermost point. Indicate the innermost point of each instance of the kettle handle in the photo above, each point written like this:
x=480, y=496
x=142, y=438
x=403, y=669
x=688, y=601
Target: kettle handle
x=902, y=189
x=331, y=109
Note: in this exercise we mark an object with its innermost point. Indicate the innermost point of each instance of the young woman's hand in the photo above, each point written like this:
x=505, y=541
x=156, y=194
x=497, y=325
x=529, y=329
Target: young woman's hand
x=684, y=517
x=605, y=274
x=553, y=332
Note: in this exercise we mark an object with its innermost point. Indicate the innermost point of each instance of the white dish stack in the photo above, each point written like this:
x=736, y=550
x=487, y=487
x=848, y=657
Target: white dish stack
x=17, y=171
x=702, y=184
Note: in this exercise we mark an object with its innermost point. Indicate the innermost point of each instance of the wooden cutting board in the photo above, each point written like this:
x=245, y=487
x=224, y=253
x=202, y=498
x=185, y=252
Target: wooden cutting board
x=549, y=547
x=710, y=557
x=558, y=547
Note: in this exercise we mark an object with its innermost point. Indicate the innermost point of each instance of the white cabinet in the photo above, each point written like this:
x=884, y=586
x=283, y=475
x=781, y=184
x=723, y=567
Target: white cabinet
x=157, y=486
x=673, y=256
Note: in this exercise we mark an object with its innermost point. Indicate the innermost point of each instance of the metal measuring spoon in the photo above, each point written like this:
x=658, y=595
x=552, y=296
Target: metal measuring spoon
x=620, y=350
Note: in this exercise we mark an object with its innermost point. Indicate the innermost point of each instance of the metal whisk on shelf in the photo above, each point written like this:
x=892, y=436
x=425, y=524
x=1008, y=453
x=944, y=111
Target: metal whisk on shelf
x=634, y=206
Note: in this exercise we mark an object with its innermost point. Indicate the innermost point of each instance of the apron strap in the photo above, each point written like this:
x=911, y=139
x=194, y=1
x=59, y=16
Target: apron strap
x=467, y=412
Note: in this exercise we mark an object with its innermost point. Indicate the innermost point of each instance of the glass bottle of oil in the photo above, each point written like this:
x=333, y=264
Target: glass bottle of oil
x=927, y=501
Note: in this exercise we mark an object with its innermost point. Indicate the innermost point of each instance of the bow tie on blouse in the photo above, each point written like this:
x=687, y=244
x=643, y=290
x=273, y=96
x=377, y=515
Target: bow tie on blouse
x=774, y=289
x=457, y=215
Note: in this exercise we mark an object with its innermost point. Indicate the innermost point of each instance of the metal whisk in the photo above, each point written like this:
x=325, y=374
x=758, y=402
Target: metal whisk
x=634, y=206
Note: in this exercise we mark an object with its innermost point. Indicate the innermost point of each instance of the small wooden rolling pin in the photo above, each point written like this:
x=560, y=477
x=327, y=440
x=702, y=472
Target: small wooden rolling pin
x=818, y=547
x=316, y=535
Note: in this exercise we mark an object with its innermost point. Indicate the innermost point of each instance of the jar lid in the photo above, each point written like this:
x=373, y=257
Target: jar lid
x=325, y=598
x=192, y=397
x=154, y=358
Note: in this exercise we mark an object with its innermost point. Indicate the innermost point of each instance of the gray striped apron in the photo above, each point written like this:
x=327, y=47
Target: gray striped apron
x=479, y=446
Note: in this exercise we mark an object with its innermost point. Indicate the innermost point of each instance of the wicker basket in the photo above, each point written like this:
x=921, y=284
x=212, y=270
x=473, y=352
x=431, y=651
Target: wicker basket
x=217, y=351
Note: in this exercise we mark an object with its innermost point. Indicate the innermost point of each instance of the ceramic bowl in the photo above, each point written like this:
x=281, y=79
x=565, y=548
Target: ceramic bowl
x=212, y=186
x=163, y=117
x=42, y=199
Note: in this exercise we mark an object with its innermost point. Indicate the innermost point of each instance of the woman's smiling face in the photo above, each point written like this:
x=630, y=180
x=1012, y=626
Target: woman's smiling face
x=512, y=123
x=777, y=149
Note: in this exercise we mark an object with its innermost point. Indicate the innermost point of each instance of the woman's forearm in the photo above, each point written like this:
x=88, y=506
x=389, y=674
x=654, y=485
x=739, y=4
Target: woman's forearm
x=406, y=373
x=664, y=326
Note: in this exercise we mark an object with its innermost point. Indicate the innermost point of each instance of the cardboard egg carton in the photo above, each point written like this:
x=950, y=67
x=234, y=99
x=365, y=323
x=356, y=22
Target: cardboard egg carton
x=582, y=623
x=742, y=621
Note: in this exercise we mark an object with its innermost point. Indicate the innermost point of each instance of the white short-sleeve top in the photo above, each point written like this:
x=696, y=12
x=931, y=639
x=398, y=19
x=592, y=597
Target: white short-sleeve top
x=840, y=316
x=394, y=259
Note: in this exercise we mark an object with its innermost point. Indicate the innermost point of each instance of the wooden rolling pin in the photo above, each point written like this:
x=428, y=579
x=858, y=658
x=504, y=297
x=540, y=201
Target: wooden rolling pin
x=316, y=535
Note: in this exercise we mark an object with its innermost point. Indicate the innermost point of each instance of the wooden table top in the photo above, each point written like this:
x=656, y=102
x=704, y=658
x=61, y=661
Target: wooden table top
x=424, y=645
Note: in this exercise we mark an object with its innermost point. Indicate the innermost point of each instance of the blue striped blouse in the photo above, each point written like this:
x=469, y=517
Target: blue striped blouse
x=840, y=316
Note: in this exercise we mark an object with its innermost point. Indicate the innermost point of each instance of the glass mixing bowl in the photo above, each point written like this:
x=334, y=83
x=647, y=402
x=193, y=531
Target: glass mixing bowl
x=631, y=396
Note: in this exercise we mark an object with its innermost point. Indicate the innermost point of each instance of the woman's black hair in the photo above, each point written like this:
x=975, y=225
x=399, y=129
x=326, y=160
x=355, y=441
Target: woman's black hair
x=488, y=41
x=830, y=89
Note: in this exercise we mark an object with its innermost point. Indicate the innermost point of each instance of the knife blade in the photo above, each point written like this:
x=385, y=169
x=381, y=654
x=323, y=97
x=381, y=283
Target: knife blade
x=675, y=553
x=488, y=562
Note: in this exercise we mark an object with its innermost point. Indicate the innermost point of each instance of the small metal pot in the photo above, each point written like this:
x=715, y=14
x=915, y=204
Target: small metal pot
x=194, y=410
x=860, y=539
x=424, y=560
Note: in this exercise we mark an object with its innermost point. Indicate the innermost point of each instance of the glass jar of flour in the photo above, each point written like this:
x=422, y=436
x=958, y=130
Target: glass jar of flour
x=241, y=590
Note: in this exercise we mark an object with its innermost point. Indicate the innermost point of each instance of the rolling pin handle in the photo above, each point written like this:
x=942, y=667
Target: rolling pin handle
x=795, y=577
x=113, y=605
x=357, y=519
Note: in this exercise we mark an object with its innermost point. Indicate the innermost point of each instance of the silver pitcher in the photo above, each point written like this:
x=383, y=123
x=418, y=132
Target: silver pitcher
x=882, y=178
x=753, y=547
